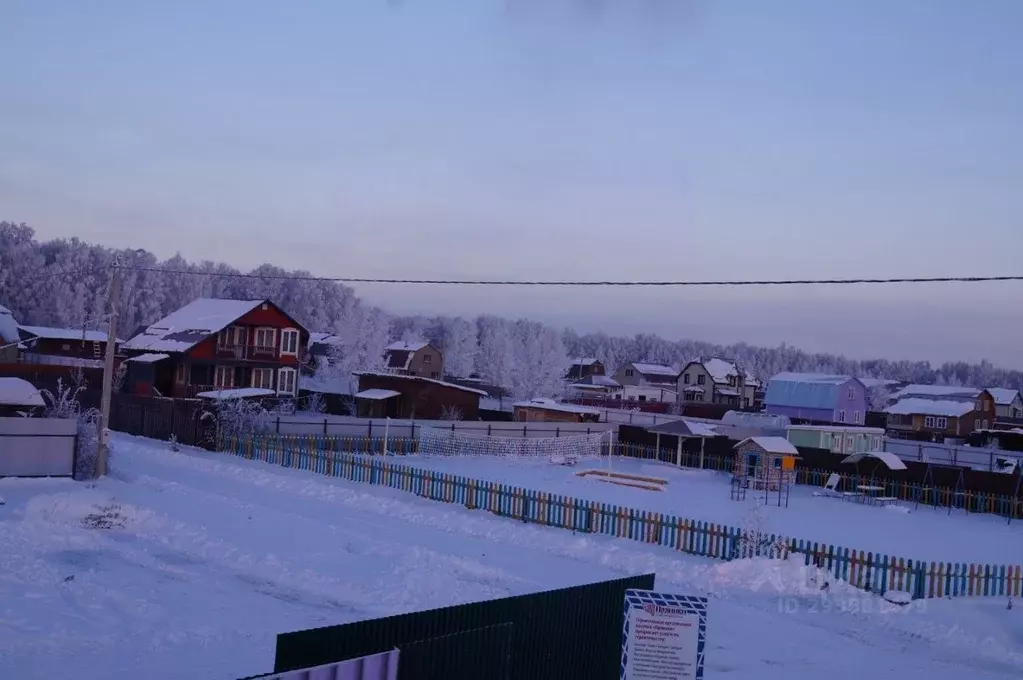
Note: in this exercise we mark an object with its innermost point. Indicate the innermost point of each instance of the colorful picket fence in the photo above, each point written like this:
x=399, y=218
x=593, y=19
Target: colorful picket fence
x=865, y=570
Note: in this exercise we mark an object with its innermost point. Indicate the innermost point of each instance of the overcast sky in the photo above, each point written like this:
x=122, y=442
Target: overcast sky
x=512, y=139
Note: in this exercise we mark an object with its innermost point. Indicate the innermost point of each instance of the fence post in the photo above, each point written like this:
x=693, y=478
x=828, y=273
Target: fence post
x=523, y=430
x=557, y=431
x=324, y=427
x=278, y=425
x=369, y=430
x=488, y=429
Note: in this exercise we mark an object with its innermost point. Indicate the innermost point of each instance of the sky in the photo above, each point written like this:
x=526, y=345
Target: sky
x=549, y=139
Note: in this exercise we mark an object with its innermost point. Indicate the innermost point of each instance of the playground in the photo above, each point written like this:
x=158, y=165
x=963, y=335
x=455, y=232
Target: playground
x=901, y=529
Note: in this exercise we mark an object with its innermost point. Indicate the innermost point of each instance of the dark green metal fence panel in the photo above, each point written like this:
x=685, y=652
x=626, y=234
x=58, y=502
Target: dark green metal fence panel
x=567, y=634
x=485, y=653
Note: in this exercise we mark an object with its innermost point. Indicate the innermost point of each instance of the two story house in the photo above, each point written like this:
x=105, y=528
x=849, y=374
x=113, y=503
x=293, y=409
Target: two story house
x=640, y=374
x=215, y=344
x=1008, y=403
x=937, y=418
x=817, y=397
x=716, y=381
x=583, y=368
x=417, y=357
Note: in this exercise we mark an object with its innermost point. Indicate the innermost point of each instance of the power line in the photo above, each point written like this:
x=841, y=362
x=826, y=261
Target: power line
x=666, y=284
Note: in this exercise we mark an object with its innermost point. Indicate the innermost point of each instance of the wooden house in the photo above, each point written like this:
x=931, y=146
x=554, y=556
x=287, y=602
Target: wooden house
x=766, y=462
x=936, y=419
x=390, y=395
x=583, y=368
x=215, y=344
x=414, y=358
x=548, y=410
x=63, y=346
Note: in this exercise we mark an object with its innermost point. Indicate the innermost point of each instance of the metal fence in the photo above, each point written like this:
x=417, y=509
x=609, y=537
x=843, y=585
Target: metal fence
x=972, y=457
x=38, y=447
x=347, y=426
x=567, y=634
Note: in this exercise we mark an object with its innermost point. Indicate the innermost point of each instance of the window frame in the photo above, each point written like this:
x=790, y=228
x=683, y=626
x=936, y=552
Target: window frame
x=287, y=371
x=273, y=338
x=289, y=336
x=261, y=372
x=227, y=371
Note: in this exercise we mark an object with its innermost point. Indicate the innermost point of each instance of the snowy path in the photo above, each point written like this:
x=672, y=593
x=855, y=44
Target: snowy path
x=212, y=556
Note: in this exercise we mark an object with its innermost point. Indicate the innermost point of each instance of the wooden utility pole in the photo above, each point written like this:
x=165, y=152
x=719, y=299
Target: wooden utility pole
x=108, y=374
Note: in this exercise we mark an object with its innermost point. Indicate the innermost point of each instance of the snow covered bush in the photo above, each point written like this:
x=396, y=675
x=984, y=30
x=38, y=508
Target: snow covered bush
x=238, y=418
x=313, y=403
x=754, y=539
x=64, y=404
x=451, y=413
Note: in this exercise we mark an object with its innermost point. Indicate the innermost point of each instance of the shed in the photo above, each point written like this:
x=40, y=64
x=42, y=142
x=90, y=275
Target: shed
x=547, y=410
x=766, y=462
x=411, y=396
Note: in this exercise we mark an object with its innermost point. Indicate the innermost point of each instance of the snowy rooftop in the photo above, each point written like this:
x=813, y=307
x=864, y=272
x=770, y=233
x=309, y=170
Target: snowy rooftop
x=930, y=407
x=407, y=346
x=654, y=369
x=550, y=405
x=148, y=358
x=758, y=419
x=720, y=369
x=937, y=391
x=584, y=361
x=190, y=325
x=1003, y=395
x=377, y=394
x=237, y=393
x=878, y=382
x=596, y=381
x=323, y=339
x=49, y=333
x=398, y=376
x=778, y=445
x=18, y=392
x=838, y=428
x=8, y=326
x=824, y=378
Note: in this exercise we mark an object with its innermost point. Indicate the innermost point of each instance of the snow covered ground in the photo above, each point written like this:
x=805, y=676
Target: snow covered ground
x=187, y=565
x=923, y=533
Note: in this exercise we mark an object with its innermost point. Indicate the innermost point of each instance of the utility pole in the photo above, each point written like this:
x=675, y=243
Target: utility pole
x=108, y=374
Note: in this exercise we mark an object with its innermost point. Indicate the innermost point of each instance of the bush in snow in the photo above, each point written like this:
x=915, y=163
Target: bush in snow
x=754, y=540
x=313, y=403
x=451, y=413
x=239, y=418
x=64, y=404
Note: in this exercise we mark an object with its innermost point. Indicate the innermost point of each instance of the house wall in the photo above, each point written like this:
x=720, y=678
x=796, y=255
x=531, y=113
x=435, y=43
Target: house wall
x=424, y=400
x=766, y=474
x=1013, y=410
x=852, y=399
x=578, y=372
x=525, y=414
x=69, y=348
x=427, y=362
x=807, y=438
x=693, y=373
x=627, y=375
x=821, y=414
x=8, y=354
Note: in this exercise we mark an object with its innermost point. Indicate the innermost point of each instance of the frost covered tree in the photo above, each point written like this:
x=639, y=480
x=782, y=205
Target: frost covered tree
x=539, y=362
x=495, y=356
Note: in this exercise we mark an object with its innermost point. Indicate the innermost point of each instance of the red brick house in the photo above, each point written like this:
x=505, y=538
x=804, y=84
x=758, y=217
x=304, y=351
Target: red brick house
x=212, y=344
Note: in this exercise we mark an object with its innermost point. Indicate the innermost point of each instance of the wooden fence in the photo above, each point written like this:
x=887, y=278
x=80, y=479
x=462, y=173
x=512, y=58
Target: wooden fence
x=869, y=571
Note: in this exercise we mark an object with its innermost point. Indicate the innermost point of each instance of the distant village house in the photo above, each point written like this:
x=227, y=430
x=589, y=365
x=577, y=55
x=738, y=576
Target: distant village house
x=583, y=368
x=414, y=358
x=393, y=395
x=817, y=397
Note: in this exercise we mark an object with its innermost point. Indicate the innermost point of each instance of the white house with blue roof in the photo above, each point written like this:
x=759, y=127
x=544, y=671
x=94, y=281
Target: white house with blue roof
x=817, y=396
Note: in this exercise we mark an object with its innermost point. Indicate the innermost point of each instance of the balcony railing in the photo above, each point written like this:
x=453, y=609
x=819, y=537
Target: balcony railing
x=247, y=351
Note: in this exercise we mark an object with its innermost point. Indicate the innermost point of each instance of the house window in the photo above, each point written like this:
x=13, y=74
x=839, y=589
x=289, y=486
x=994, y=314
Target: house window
x=96, y=351
x=936, y=422
x=836, y=442
x=265, y=338
x=427, y=358
x=731, y=381
x=435, y=375
x=263, y=377
x=850, y=444
x=875, y=443
x=289, y=341
x=685, y=379
x=976, y=424
x=179, y=374
x=841, y=416
x=224, y=376
x=856, y=417
x=286, y=381
x=701, y=379
x=851, y=393
x=894, y=419
x=629, y=373
x=65, y=348
x=983, y=424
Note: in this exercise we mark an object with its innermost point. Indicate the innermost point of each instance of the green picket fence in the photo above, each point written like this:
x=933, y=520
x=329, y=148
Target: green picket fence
x=862, y=569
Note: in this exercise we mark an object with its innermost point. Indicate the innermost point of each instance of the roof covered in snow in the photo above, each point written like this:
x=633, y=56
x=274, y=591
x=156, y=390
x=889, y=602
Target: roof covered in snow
x=407, y=346
x=1003, y=395
x=596, y=381
x=654, y=369
x=18, y=392
x=584, y=361
x=148, y=358
x=190, y=325
x=49, y=333
x=237, y=393
x=399, y=376
x=8, y=326
x=778, y=445
x=720, y=369
x=931, y=407
x=938, y=391
x=545, y=404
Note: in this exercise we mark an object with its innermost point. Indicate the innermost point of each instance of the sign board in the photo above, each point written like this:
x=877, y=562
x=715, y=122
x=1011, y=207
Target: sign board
x=788, y=463
x=663, y=636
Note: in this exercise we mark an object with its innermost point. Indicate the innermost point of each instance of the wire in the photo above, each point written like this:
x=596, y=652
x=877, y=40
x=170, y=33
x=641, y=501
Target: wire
x=460, y=282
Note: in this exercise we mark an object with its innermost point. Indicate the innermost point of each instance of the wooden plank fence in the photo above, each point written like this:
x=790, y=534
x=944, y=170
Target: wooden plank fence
x=344, y=458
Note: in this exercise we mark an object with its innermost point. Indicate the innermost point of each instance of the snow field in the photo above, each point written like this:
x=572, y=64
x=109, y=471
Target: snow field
x=206, y=557
x=923, y=533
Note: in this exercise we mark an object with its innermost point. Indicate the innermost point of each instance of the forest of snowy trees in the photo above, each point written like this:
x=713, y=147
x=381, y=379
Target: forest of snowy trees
x=64, y=283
